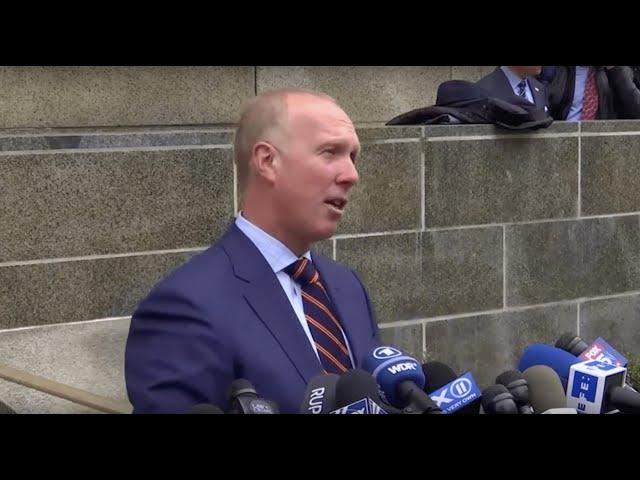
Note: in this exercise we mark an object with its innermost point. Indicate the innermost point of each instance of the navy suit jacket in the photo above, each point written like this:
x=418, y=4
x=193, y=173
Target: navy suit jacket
x=223, y=315
x=498, y=85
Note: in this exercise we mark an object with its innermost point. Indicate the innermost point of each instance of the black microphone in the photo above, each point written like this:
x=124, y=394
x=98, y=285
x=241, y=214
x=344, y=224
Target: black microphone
x=320, y=395
x=497, y=400
x=244, y=400
x=357, y=393
x=518, y=387
x=205, y=409
x=438, y=375
x=625, y=400
x=571, y=343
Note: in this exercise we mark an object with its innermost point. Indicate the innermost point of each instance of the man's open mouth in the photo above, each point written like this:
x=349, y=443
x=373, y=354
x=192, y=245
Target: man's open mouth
x=337, y=203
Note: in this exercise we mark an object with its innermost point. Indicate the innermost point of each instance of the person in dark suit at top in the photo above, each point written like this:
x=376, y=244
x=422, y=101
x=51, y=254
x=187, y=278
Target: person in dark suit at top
x=505, y=82
x=592, y=92
x=260, y=304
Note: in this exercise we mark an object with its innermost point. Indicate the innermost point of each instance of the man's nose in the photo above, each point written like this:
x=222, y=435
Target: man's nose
x=349, y=174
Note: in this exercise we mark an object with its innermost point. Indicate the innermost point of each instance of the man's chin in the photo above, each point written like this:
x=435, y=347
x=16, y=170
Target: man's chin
x=325, y=233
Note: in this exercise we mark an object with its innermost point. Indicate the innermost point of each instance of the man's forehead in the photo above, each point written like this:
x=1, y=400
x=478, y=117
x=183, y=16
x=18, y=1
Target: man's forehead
x=309, y=105
x=320, y=114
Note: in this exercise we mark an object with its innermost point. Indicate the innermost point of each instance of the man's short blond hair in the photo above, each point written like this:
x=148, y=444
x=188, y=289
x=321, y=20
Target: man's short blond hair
x=262, y=118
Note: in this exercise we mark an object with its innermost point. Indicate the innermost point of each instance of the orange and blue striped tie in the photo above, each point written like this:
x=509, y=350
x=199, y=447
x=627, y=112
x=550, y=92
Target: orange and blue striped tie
x=323, y=322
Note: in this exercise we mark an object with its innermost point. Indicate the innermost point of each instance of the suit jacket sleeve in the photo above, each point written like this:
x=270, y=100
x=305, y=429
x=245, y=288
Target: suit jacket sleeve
x=174, y=357
x=625, y=91
x=560, y=86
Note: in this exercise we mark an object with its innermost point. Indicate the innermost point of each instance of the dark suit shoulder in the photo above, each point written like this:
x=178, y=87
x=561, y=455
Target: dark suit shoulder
x=195, y=280
x=491, y=78
x=496, y=84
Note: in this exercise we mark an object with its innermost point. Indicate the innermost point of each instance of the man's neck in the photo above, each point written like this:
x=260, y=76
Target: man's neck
x=518, y=73
x=297, y=247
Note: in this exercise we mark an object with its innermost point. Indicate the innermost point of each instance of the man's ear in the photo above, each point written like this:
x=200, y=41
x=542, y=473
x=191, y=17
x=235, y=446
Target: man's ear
x=264, y=159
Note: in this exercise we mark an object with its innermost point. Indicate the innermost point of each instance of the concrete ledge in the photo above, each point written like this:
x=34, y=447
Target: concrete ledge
x=88, y=355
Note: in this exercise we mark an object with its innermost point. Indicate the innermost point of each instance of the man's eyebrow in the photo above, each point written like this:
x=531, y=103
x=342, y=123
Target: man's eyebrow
x=338, y=142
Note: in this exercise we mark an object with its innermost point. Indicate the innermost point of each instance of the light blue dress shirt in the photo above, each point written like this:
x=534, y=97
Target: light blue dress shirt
x=278, y=256
x=575, y=112
x=514, y=80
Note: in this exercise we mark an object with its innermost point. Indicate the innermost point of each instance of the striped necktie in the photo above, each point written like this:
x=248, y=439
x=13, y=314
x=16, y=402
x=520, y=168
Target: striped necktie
x=321, y=318
x=522, y=89
x=590, y=99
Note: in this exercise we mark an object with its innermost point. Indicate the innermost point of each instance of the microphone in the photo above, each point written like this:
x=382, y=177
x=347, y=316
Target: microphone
x=356, y=392
x=592, y=384
x=497, y=400
x=205, y=409
x=598, y=350
x=320, y=395
x=400, y=379
x=555, y=358
x=458, y=396
x=571, y=343
x=245, y=401
x=518, y=387
x=625, y=400
x=545, y=390
x=602, y=351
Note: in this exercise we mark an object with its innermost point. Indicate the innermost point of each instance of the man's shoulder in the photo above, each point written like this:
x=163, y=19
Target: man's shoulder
x=203, y=270
x=490, y=78
x=204, y=263
x=206, y=271
x=211, y=266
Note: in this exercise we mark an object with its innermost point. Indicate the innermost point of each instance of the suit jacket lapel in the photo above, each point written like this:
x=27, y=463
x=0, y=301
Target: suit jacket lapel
x=265, y=296
x=539, y=98
x=502, y=83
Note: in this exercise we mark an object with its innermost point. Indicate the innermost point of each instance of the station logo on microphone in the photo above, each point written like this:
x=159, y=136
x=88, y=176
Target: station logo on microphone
x=366, y=406
x=588, y=383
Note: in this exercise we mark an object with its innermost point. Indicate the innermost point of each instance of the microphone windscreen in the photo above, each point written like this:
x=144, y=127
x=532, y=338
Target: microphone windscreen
x=571, y=343
x=496, y=399
x=505, y=378
x=516, y=384
x=320, y=394
x=545, y=388
x=555, y=358
x=354, y=385
x=437, y=375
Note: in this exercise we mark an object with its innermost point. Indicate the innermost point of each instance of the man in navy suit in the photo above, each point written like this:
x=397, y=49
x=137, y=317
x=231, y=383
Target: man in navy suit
x=504, y=82
x=241, y=309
